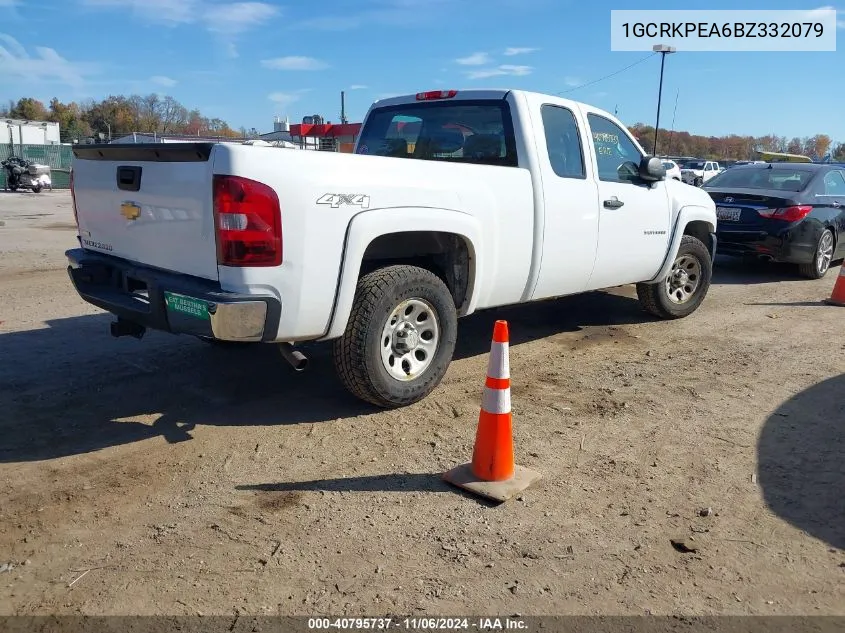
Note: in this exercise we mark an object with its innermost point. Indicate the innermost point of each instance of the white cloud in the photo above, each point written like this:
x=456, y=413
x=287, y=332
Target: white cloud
x=332, y=23
x=294, y=62
x=237, y=17
x=285, y=99
x=381, y=12
x=815, y=13
x=226, y=20
x=572, y=81
x=358, y=87
x=476, y=59
x=46, y=66
x=170, y=12
x=161, y=80
x=499, y=71
x=9, y=3
x=510, y=52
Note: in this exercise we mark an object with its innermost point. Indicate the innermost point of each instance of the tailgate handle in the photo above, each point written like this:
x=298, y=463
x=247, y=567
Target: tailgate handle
x=129, y=178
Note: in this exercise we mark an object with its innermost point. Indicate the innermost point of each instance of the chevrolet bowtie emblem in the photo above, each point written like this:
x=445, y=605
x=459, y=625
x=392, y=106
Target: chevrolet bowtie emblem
x=130, y=211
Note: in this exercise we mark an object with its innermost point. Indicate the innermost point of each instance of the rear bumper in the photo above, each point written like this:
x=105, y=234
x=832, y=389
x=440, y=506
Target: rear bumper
x=785, y=246
x=179, y=304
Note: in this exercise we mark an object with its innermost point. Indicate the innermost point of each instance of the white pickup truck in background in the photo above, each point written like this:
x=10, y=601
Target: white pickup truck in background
x=697, y=172
x=453, y=202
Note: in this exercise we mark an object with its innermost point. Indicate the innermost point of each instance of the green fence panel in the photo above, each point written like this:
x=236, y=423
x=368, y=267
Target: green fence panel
x=58, y=157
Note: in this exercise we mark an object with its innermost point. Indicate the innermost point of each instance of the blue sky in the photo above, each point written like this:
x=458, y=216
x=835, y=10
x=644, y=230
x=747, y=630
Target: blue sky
x=248, y=61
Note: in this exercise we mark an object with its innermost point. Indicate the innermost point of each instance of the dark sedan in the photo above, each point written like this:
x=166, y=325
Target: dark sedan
x=783, y=212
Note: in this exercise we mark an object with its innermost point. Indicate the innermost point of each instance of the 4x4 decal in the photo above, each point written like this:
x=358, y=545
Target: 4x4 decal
x=335, y=200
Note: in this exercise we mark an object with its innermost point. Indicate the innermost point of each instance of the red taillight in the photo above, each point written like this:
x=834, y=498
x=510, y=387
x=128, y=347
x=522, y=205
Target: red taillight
x=248, y=222
x=787, y=214
x=433, y=95
x=73, y=200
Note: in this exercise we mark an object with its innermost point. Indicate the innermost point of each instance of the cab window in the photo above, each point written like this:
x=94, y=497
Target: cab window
x=563, y=142
x=617, y=158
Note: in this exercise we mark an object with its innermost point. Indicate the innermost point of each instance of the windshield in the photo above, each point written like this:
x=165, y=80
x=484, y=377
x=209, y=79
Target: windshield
x=668, y=165
x=478, y=132
x=762, y=177
x=694, y=164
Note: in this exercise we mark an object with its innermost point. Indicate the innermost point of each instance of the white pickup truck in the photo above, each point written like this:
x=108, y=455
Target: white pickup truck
x=697, y=172
x=453, y=202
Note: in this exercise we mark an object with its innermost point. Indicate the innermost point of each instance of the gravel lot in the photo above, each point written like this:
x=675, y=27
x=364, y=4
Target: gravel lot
x=190, y=479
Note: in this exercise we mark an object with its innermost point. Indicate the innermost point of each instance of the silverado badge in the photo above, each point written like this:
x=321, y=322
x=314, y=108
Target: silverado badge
x=130, y=211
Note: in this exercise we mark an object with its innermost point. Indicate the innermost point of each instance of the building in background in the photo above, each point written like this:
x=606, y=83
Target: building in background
x=20, y=132
x=330, y=137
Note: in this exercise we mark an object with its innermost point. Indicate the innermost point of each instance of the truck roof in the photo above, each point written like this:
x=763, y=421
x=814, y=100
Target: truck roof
x=471, y=94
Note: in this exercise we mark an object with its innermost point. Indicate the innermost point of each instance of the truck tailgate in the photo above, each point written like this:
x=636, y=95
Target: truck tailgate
x=148, y=203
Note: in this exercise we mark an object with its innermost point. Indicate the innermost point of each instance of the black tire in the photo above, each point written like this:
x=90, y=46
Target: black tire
x=698, y=182
x=36, y=189
x=818, y=267
x=655, y=298
x=358, y=353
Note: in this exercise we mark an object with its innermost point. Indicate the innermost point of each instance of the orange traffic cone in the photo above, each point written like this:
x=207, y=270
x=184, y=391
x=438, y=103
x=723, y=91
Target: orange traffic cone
x=492, y=472
x=837, y=297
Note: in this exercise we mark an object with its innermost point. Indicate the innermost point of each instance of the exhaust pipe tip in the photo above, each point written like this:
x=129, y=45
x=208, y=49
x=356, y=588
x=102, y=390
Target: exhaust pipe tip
x=122, y=327
x=295, y=358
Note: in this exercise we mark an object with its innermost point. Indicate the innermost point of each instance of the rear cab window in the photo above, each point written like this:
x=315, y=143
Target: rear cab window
x=478, y=132
x=563, y=141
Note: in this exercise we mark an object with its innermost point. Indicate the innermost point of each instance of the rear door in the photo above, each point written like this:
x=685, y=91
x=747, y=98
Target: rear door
x=149, y=204
x=570, y=202
x=634, y=217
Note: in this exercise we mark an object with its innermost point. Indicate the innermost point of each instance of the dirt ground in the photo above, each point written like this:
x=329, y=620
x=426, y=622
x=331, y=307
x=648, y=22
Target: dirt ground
x=165, y=476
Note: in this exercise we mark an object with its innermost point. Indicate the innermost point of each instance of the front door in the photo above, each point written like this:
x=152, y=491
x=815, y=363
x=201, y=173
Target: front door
x=634, y=216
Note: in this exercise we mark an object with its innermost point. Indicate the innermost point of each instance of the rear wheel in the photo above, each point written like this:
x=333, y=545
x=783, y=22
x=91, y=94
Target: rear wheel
x=400, y=336
x=821, y=258
x=685, y=287
x=36, y=189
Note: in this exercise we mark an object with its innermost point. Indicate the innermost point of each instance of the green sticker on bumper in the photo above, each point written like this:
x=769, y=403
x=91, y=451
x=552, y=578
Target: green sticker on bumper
x=186, y=305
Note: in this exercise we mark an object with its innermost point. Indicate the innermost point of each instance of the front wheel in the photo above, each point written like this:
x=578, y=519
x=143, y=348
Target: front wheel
x=685, y=287
x=400, y=336
x=821, y=258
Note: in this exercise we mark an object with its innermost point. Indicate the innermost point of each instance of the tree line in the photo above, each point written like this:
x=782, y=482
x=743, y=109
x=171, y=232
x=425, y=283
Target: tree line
x=117, y=116
x=120, y=115
x=733, y=146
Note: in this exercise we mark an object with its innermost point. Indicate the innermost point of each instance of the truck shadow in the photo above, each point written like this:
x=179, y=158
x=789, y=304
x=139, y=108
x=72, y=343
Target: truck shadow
x=735, y=271
x=70, y=388
x=801, y=470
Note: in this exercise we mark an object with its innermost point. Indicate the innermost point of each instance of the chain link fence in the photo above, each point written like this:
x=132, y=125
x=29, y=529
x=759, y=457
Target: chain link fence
x=58, y=157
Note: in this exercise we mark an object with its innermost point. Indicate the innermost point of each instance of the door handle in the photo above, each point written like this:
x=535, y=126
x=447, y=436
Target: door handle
x=613, y=203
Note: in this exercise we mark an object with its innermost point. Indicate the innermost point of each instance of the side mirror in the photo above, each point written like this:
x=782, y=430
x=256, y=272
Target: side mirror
x=652, y=169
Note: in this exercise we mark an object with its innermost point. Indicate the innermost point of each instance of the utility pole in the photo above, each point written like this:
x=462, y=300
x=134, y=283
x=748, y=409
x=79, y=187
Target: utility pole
x=343, y=118
x=663, y=50
x=674, y=112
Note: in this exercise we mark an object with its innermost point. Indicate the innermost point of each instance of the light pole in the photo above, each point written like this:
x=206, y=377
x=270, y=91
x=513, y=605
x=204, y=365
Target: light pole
x=663, y=50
